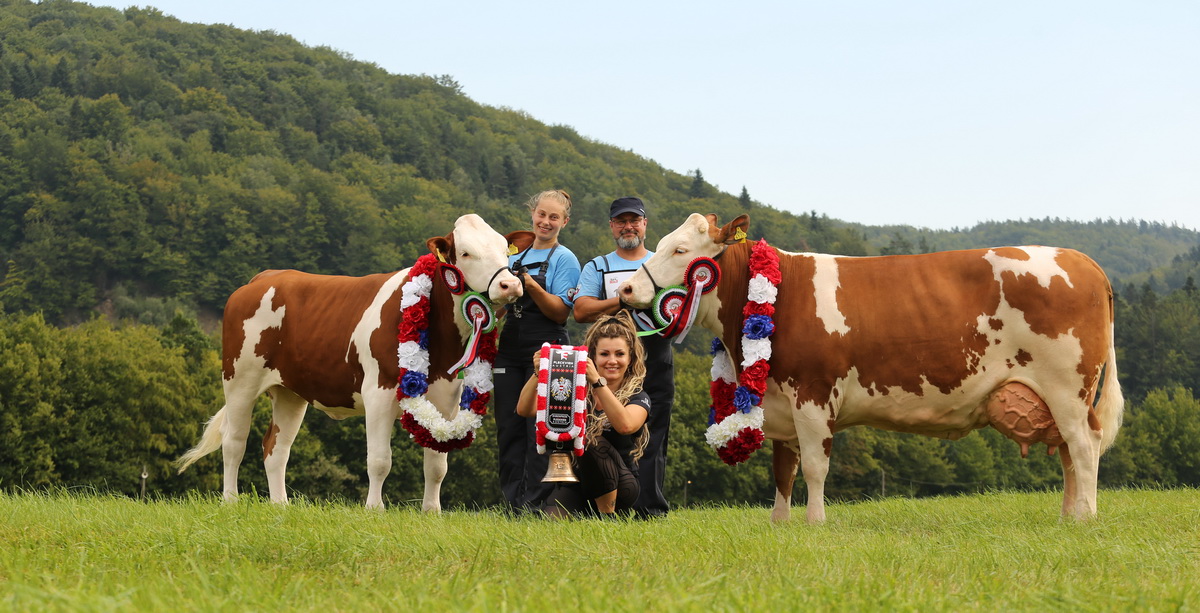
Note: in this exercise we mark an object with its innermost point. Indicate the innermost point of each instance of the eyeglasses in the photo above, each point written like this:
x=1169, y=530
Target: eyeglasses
x=622, y=223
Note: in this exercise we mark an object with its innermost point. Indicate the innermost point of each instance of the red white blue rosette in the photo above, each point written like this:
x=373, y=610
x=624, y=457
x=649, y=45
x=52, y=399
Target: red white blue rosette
x=675, y=307
x=422, y=420
x=576, y=387
x=736, y=416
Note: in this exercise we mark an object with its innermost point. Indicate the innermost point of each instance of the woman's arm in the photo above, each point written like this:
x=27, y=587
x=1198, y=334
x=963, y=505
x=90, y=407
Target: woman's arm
x=625, y=418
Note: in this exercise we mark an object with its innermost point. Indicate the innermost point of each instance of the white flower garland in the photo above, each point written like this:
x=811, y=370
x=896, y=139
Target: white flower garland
x=414, y=365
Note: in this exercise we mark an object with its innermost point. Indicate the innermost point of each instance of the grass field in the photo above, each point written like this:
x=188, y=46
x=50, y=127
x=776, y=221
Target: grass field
x=1004, y=551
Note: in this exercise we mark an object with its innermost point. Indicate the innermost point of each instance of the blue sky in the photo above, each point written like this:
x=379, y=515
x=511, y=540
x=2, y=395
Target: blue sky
x=931, y=113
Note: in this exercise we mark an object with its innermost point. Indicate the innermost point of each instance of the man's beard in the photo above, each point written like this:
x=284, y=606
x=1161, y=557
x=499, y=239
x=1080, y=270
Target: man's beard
x=629, y=242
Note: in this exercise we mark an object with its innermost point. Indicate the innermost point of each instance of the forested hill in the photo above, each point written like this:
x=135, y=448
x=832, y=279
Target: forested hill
x=145, y=157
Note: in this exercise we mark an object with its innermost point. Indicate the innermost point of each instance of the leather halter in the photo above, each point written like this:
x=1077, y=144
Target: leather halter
x=488, y=288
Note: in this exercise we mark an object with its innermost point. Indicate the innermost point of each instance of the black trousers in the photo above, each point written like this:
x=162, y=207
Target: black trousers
x=520, y=466
x=600, y=470
x=652, y=467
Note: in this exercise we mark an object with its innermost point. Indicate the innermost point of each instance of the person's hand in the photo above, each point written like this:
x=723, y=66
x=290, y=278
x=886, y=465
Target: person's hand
x=537, y=361
x=528, y=280
x=593, y=373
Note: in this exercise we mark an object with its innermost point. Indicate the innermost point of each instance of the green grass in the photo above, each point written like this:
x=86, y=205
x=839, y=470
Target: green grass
x=991, y=552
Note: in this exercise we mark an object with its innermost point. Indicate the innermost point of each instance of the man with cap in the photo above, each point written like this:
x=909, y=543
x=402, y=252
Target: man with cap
x=597, y=296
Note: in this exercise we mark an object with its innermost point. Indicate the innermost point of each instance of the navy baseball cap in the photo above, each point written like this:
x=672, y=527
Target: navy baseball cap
x=628, y=204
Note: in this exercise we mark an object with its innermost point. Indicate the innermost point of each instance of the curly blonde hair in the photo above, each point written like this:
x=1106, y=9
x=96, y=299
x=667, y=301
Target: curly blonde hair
x=619, y=326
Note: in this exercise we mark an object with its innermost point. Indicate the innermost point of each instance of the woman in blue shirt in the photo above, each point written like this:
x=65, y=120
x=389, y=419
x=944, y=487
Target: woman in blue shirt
x=550, y=275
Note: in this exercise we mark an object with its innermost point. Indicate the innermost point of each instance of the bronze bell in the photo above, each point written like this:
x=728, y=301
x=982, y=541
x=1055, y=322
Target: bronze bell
x=559, y=468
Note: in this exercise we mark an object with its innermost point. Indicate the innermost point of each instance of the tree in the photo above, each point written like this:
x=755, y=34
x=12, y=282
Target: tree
x=699, y=188
x=744, y=200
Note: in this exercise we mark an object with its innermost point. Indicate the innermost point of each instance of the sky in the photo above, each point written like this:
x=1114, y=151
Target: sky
x=937, y=114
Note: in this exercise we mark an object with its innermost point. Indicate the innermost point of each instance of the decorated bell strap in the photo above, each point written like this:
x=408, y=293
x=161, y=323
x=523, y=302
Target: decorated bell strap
x=479, y=314
x=561, y=396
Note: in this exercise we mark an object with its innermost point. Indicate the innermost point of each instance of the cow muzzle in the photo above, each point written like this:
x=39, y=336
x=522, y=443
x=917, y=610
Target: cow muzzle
x=638, y=291
x=504, y=287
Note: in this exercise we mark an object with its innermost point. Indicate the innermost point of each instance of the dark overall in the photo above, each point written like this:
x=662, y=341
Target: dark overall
x=660, y=386
x=521, y=467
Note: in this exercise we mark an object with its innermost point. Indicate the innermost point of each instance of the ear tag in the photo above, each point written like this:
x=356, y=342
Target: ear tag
x=440, y=257
x=512, y=249
x=739, y=236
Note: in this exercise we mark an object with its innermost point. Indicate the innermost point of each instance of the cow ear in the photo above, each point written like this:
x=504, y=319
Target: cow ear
x=734, y=231
x=442, y=247
x=520, y=239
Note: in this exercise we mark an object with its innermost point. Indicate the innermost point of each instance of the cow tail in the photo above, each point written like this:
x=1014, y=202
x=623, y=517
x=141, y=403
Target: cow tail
x=209, y=442
x=1110, y=402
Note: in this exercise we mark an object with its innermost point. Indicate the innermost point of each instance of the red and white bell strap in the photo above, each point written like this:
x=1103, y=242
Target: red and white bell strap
x=561, y=396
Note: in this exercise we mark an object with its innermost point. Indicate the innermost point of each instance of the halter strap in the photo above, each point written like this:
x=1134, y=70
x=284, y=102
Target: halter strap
x=487, y=290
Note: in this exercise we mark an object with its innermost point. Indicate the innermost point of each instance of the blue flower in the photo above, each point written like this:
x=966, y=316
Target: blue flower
x=745, y=399
x=758, y=327
x=712, y=415
x=468, y=396
x=414, y=384
x=423, y=339
x=717, y=347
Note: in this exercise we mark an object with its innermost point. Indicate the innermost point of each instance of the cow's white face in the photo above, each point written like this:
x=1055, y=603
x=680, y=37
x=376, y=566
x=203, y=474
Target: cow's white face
x=697, y=237
x=481, y=254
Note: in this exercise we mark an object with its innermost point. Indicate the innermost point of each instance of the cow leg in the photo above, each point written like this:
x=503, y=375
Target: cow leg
x=814, y=437
x=381, y=413
x=445, y=396
x=436, y=465
x=239, y=409
x=784, y=461
x=1069, y=481
x=1081, y=434
x=287, y=412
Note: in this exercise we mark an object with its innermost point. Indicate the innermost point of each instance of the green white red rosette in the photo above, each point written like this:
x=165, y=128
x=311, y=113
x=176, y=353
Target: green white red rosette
x=422, y=420
x=736, y=417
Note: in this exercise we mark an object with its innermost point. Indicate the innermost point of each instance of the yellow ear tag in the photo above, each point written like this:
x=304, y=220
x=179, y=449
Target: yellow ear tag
x=512, y=249
x=739, y=236
x=441, y=258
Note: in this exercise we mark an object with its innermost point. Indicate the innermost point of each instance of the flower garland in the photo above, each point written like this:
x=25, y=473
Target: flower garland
x=422, y=420
x=736, y=416
x=562, y=389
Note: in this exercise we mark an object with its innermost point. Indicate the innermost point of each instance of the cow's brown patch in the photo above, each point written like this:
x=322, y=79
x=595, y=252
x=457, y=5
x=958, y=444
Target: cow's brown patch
x=269, y=439
x=996, y=324
x=783, y=465
x=827, y=445
x=311, y=349
x=1012, y=253
x=1024, y=358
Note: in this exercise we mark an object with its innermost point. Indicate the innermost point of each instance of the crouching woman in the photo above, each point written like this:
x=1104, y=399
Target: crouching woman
x=616, y=433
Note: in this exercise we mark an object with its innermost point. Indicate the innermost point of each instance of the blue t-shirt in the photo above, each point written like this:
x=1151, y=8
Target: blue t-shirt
x=591, y=282
x=563, y=273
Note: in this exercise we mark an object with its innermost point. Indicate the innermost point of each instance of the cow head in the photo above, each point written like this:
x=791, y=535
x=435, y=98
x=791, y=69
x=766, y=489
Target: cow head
x=699, y=236
x=481, y=254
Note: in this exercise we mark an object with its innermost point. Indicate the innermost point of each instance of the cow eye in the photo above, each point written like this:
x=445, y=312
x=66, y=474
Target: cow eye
x=680, y=251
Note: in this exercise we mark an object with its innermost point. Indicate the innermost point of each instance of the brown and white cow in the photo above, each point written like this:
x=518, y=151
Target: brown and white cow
x=937, y=344
x=331, y=341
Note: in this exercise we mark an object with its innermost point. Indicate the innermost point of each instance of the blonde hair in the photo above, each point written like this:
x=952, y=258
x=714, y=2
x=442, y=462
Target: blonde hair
x=619, y=326
x=556, y=195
